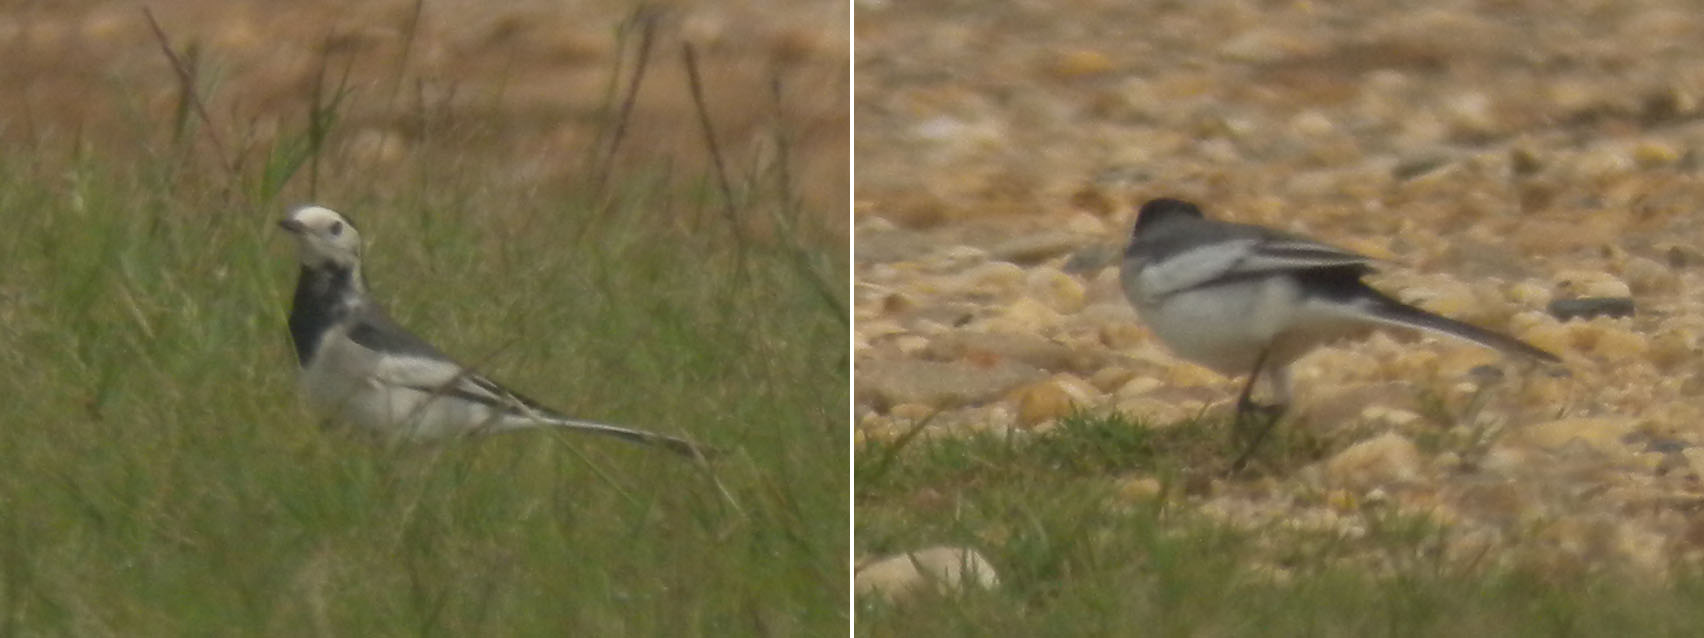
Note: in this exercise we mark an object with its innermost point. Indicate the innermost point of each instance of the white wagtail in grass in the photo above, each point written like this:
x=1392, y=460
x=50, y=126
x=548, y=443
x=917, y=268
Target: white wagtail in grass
x=1244, y=299
x=360, y=366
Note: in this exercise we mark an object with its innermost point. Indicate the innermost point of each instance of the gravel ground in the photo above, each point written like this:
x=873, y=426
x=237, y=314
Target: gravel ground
x=1502, y=156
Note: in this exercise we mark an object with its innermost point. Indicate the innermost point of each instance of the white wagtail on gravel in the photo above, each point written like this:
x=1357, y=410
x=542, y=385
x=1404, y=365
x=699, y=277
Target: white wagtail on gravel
x=1244, y=299
x=360, y=366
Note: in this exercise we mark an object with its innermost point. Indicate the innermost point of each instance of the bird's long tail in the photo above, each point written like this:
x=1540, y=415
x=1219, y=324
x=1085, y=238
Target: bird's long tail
x=1393, y=312
x=677, y=445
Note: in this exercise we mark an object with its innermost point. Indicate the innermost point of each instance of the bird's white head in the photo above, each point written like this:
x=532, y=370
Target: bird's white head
x=323, y=237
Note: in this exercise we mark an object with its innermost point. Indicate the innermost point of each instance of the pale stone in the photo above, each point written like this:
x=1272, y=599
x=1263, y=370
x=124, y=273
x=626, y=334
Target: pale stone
x=1342, y=500
x=1085, y=225
x=1614, y=343
x=1654, y=154
x=1592, y=283
x=1156, y=413
x=912, y=411
x=911, y=344
x=1061, y=292
x=938, y=384
x=1389, y=458
x=1600, y=433
x=1042, y=402
x=1395, y=417
x=1673, y=347
x=1261, y=45
x=1077, y=63
x=1189, y=375
x=1036, y=247
x=1312, y=123
x=1024, y=347
x=1694, y=460
x=1554, y=338
x=1112, y=378
x=1055, y=397
x=996, y=278
x=947, y=569
x=1607, y=287
x=1645, y=275
x=1121, y=335
x=1138, y=386
x=1140, y=489
x=1023, y=316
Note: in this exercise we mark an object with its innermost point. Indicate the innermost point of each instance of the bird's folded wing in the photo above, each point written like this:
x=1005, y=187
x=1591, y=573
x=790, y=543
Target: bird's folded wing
x=407, y=361
x=450, y=380
x=1194, y=267
x=377, y=332
x=1295, y=253
x=1234, y=259
x=444, y=379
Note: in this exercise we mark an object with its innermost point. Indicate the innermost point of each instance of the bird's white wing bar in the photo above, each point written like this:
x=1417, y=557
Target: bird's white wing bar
x=1194, y=268
x=1297, y=254
x=403, y=370
x=440, y=378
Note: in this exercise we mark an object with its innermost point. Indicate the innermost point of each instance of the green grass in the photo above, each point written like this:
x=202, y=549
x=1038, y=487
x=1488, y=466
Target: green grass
x=1079, y=556
x=162, y=477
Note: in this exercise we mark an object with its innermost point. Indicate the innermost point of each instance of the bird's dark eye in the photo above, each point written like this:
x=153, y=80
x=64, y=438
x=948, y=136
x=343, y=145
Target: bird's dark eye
x=336, y=228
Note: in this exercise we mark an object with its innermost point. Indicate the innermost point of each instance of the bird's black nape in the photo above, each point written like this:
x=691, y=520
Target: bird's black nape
x=1163, y=208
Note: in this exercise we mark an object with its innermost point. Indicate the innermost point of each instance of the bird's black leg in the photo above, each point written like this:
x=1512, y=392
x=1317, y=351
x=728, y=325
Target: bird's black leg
x=1246, y=407
x=1245, y=400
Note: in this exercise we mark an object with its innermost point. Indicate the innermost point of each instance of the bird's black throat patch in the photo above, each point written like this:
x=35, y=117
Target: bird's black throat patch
x=321, y=301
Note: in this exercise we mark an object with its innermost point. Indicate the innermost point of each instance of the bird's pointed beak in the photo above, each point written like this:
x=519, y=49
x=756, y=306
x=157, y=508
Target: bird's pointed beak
x=292, y=226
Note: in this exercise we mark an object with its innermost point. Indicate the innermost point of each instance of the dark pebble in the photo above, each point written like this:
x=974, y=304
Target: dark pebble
x=1589, y=307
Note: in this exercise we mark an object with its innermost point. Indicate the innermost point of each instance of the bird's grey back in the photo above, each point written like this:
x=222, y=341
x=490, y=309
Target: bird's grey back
x=375, y=330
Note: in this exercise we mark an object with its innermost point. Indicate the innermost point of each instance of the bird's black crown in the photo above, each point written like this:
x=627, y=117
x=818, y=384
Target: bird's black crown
x=1163, y=208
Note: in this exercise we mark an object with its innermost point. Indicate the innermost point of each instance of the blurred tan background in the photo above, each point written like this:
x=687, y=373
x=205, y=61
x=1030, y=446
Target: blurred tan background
x=523, y=84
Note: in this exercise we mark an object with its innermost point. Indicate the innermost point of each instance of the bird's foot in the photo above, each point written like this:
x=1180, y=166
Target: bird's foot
x=1252, y=417
x=1253, y=422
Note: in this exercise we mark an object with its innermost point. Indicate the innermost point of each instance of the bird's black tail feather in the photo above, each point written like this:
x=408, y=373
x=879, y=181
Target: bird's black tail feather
x=1393, y=312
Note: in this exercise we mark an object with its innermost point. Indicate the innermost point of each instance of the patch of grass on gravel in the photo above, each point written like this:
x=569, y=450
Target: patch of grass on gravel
x=1079, y=554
